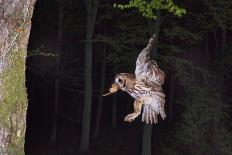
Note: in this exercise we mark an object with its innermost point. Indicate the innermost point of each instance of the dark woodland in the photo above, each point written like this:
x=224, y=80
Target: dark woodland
x=75, y=50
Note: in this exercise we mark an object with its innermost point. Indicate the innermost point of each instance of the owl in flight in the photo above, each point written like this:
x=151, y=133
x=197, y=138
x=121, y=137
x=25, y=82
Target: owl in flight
x=145, y=86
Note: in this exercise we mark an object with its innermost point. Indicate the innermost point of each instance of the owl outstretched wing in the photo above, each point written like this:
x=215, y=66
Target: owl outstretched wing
x=147, y=70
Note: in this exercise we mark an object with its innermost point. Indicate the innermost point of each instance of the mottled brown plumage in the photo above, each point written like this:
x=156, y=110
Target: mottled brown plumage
x=145, y=86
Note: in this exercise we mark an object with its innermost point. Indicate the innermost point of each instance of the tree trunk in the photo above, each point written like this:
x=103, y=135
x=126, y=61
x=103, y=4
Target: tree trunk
x=99, y=112
x=147, y=128
x=15, y=25
x=57, y=78
x=147, y=134
x=91, y=8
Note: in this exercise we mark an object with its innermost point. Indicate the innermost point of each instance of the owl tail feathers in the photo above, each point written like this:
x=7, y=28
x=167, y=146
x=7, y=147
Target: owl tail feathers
x=150, y=116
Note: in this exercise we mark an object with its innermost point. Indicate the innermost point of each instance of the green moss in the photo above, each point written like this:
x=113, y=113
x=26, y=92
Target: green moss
x=13, y=103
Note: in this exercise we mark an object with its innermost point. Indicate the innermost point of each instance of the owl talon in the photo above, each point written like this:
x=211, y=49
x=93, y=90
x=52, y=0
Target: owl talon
x=130, y=117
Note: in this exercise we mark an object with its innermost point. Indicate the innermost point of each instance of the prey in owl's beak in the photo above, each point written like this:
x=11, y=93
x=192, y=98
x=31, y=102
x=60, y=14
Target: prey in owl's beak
x=114, y=88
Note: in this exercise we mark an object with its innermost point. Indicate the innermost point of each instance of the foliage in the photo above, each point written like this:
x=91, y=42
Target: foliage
x=203, y=121
x=217, y=14
x=147, y=7
x=13, y=103
x=123, y=44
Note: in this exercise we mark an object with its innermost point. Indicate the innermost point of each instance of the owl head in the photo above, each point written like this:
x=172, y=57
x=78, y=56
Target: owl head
x=120, y=81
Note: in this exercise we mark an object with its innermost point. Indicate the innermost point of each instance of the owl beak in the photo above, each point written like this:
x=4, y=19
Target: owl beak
x=114, y=88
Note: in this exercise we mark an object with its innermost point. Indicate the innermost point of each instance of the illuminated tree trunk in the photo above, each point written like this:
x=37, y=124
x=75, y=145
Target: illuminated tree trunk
x=15, y=25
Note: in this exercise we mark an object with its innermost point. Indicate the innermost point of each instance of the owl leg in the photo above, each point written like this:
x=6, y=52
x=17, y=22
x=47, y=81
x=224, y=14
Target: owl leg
x=137, y=110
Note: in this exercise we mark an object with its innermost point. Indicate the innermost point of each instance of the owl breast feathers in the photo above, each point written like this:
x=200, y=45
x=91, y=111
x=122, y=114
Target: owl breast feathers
x=145, y=86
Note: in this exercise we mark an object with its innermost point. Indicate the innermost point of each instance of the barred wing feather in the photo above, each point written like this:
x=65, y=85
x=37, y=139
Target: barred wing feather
x=147, y=70
x=152, y=107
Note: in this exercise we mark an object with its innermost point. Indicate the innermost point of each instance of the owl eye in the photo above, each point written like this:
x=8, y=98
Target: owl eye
x=120, y=80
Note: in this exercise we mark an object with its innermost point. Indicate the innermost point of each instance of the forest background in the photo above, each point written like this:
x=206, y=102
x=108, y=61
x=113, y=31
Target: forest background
x=77, y=47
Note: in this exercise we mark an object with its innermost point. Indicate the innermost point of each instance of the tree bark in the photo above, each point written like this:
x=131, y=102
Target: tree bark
x=15, y=25
x=91, y=8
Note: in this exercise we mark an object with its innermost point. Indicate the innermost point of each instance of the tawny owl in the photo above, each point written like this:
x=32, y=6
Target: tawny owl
x=145, y=86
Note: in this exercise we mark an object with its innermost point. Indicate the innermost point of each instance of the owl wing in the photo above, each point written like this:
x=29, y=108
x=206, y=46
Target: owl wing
x=152, y=107
x=147, y=70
